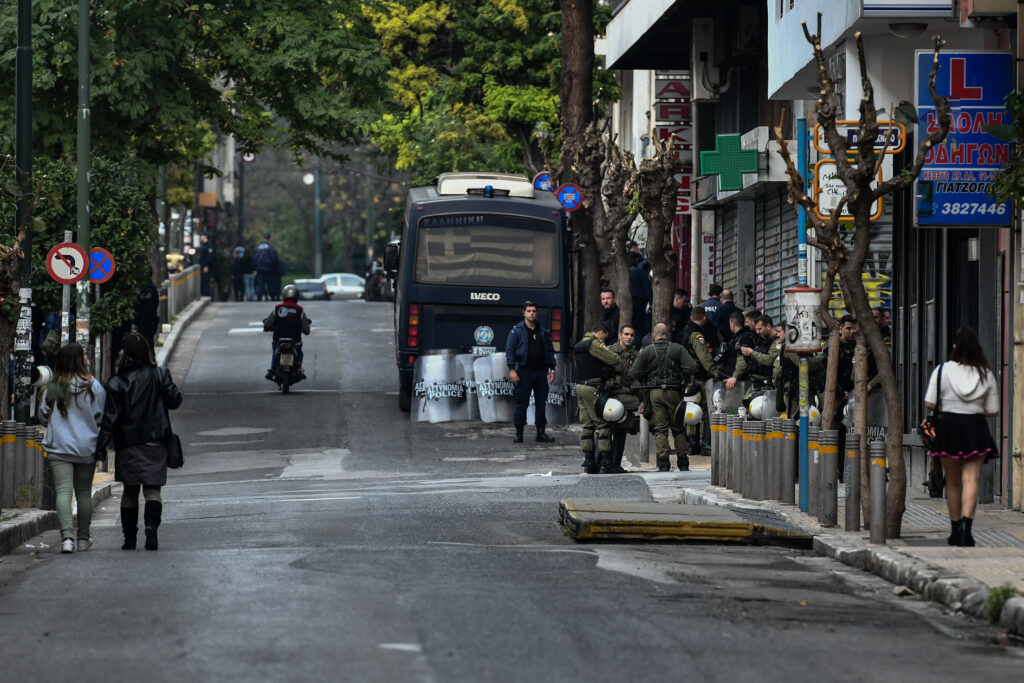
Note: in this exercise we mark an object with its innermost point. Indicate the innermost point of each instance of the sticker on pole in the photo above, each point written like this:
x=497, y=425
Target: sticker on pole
x=544, y=181
x=67, y=263
x=569, y=196
x=101, y=265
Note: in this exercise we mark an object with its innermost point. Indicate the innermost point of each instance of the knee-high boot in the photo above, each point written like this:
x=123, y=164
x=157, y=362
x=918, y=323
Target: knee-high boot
x=129, y=527
x=152, y=520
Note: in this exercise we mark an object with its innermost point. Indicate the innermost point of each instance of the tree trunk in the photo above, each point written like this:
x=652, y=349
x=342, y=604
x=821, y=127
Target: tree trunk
x=657, y=197
x=575, y=113
x=618, y=189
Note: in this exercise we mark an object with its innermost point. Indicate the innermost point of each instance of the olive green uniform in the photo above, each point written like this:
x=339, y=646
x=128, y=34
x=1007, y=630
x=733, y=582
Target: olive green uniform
x=700, y=346
x=620, y=387
x=664, y=366
x=595, y=364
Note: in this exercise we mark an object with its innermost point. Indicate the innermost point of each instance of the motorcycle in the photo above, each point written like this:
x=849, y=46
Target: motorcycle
x=287, y=371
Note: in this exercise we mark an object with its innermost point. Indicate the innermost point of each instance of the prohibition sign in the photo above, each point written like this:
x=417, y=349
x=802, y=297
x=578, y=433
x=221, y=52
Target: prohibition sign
x=569, y=196
x=101, y=265
x=66, y=263
x=543, y=181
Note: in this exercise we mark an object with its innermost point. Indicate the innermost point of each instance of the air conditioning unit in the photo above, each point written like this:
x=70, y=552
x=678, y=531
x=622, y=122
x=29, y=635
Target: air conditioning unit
x=702, y=60
x=992, y=8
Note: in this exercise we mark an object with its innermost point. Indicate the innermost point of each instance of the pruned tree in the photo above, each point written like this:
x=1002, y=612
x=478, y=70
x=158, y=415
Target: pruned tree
x=847, y=260
x=656, y=200
x=618, y=189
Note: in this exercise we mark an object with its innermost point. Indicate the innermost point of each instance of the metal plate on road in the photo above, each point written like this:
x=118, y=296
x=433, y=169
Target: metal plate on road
x=67, y=263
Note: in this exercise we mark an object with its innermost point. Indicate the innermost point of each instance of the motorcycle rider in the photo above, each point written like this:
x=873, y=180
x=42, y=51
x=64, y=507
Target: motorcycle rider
x=287, y=321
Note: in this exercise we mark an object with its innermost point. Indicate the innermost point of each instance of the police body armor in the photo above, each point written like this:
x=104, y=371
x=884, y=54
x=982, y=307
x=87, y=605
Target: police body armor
x=668, y=374
x=588, y=368
x=711, y=341
x=757, y=372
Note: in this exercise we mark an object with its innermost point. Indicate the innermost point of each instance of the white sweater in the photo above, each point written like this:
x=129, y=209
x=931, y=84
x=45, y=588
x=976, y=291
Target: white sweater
x=963, y=391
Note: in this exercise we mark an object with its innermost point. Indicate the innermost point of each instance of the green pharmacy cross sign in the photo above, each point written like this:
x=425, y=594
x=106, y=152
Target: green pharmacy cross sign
x=729, y=162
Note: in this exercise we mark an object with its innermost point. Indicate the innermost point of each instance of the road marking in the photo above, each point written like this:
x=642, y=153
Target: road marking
x=225, y=443
x=244, y=330
x=402, y=647
x=235, y=431
x=514, y=458
x=253, y=500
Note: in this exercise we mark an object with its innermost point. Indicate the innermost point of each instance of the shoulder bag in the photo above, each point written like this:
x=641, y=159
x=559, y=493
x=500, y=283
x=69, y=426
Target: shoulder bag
x=930, y=428
x=175, y=456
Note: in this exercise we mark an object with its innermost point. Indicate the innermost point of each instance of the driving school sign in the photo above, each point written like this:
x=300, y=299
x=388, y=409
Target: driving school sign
x=954, y=185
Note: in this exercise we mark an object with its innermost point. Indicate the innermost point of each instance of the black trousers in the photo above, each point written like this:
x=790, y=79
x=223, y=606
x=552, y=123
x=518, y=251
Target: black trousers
x=533, y=380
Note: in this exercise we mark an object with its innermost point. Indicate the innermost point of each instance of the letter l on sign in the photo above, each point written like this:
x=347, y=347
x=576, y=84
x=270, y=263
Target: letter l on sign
x=958, y=88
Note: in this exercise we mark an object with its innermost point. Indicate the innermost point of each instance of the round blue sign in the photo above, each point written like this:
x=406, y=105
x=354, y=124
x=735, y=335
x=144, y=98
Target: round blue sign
x=569, y=196
x=544, y=181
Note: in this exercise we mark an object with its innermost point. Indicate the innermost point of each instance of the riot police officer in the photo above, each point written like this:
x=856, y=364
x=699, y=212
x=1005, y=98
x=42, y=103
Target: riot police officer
x=664, y=366
x=701, y=339
x=594, y=365
x=734, y=363
x=620, y=387
x=761, y=357
x=786, y=378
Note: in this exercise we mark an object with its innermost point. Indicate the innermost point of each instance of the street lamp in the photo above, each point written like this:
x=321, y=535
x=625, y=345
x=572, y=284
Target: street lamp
x=318, y=251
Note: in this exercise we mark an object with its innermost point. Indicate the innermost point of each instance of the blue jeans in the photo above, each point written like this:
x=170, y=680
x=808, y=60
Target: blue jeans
x=531, y=380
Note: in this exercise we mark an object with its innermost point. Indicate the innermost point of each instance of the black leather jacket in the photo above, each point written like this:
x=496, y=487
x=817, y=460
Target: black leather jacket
x=138, y=398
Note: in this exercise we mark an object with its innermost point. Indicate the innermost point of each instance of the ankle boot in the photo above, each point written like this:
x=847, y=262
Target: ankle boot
x=663, y=464
x=519, y=434
x=605, y=464
x=954, y=536
x=541, y=436
x=151, y=516
x=966, y=538
x=129, y=527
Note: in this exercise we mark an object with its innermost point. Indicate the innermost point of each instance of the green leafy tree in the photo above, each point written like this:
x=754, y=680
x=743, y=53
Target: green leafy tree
x=1008, y=184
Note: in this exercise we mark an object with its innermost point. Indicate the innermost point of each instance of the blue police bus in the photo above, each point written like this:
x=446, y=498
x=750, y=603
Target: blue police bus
x=474, y=247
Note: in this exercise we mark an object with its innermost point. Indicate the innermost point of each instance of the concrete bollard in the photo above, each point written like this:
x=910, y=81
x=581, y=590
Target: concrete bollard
x=789, y=454
x=7, y=437
x=757, y=460
x=877, y=481
x=34, y=456
x=828, y=454
x=745, y=459
x=20, y=461
x=851, y=480
x=645, y=440
x=735, y=452
x=714, y=419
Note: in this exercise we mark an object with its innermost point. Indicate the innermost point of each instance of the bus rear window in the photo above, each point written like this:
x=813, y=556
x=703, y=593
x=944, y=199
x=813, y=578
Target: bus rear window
x=525, y=255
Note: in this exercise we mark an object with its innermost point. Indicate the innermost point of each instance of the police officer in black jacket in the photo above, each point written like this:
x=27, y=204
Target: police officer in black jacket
x=531, y=365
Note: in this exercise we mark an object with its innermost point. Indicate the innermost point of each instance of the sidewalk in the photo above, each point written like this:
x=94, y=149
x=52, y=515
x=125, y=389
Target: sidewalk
x=18, y=525
x=922, y=561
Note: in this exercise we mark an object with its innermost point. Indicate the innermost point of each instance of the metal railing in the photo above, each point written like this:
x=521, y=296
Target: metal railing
x=178, y=291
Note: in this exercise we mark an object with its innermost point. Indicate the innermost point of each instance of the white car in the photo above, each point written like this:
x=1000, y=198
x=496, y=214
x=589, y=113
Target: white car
x=343, y=285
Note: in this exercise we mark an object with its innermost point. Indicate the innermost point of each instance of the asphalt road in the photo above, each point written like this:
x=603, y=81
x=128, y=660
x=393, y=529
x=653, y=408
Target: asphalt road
x=321, y=536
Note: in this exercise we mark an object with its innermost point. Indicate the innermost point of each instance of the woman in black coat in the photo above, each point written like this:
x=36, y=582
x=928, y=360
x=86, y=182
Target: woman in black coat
x=135, y=418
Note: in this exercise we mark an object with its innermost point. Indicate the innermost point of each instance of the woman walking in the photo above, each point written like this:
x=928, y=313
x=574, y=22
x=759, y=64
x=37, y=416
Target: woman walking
x=71, y=408
x=968, y=393
x=135, y=417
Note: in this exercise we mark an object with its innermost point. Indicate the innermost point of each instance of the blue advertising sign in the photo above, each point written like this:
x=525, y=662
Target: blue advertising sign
x=953, y=188
x=570, y=196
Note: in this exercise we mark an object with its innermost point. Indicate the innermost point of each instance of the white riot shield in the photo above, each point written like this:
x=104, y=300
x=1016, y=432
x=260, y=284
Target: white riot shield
x=557, y=409
x=727, y=401
x=464, y=374
x=496, y=394
x=435, y=393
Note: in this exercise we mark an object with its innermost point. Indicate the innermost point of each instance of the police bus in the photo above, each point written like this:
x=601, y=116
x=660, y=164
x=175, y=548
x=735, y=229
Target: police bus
x=474, y=247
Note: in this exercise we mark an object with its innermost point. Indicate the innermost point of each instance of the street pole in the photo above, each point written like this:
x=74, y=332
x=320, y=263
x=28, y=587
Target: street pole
x=241, y=203
x=23, y=174
x=82, y=210
x=370, y=220
x=161, y=211
x=318, y=258
x=801, y=275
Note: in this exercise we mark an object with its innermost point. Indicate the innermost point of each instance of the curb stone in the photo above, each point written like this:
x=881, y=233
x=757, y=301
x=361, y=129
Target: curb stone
x=184, y=318
x=949, y=588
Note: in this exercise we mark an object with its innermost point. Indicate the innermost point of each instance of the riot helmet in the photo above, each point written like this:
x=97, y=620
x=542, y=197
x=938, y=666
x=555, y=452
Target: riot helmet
x=688, y=413
x=610, y=409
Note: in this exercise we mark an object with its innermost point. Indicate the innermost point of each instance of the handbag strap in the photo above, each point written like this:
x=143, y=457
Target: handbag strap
x=938, y=391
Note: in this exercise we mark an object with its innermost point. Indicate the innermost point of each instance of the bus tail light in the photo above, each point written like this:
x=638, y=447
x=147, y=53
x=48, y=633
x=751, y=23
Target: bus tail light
x=413, y=322
x=556, y=329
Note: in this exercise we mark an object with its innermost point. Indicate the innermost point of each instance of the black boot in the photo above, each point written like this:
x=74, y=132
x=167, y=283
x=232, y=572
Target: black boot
x=954, y=536
x=151, y=516
x=663, y=464
x=541, y=436
x=590, y=466
x=129, y=527
x=519, y=434
x=683, y=462
x=966, y=538
x=606, y=464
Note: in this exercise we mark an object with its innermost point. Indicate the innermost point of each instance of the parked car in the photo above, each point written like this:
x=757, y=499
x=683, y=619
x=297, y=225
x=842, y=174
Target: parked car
x=312, y=289
x=343, y=285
